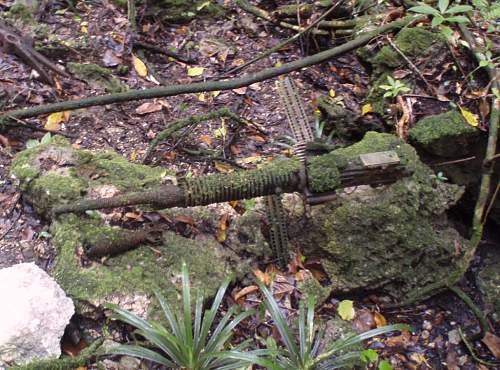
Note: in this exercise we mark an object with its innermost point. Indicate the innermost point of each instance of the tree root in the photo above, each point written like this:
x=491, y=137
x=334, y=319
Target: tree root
x=193, y=121
x=210, y=85
x=483, y=323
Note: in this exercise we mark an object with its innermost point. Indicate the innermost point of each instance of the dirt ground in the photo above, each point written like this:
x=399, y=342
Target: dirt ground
x=97, y=33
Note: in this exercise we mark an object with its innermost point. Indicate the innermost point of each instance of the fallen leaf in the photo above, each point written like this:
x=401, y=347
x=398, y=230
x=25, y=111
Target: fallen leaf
x=148, y=107
x=379, y=319
x=345, y=310
x=367, y=108
x=493, y=343
x=215, y=93
x=201, y=97
x=364, y=320
x=55, y=119
x=331, y=93
x=195, y=71
x=139, y=66
x=470, y=117
x=170, y=155
x=263, y=277
x=84, y=27
x=223, y=167
x=222, y=231
x=110, y=59
x=207, y=139
x=246, y=290
x=184, y=219
x=240, y=90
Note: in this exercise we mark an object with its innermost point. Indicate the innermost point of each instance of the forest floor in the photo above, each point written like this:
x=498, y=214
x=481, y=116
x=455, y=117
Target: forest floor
x=98, y=33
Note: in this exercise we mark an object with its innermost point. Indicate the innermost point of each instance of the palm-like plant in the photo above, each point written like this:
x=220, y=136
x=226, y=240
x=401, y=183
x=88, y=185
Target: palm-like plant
x=306, y=353
x=189, y=344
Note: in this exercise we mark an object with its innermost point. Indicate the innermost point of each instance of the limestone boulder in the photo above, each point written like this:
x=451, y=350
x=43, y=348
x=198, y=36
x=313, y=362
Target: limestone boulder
x=33, y=314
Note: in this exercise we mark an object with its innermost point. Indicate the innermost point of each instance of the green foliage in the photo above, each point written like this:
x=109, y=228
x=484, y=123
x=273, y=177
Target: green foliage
x=444, y=14
x=306, y=352
x=46, y=139
x=368, y=356
x=384, y=365
x=489, y=12
x=393, y=88
x=190, y=344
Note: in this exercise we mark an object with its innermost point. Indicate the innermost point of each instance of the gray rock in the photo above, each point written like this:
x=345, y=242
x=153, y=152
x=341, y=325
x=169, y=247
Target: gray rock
x=33, y=315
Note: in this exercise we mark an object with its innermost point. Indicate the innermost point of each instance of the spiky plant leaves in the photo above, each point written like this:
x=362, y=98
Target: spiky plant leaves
x=188, y=343
x=305, y=355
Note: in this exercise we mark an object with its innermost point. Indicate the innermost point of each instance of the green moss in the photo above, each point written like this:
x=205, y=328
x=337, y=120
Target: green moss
x=311, y=287
x=21, y=12
x=411, y=41
x=446, y=134
x=98, y=74
x=134, y=273
x=183, y=10
x=56, y=173
x=376, y=94
x=323, y=173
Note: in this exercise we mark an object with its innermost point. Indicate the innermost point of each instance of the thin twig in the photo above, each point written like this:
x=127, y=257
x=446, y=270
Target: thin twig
x=453, y=162
x=412, y=66
x=483, y=323
x=41, y=129
x=164, y=51
x=492, y=202
x=286, y=42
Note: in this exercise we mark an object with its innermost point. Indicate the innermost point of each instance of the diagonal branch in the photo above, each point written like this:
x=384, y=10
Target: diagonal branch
x=211, y=85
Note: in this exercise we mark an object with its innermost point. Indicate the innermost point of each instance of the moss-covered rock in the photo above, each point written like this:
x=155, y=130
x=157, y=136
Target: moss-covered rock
x=445, y=135
x=394, y=237
x=179, y=11
x=98, y=75
x=412, y=42
x=56, y=173
x=129, y=279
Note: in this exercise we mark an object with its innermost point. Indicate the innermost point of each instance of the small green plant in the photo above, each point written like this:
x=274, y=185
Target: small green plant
x=393, y=88
x=46, y=139
x=306, y=352
x=444, y=14
x=489, y=12
x=188, y=344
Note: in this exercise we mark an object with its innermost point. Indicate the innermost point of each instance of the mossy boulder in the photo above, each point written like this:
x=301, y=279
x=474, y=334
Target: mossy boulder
x=416, y=42
x=178, y=11
x=100, y=76
x=445, y=135
x=55, y=173
x=128, y=279
x=395, y=238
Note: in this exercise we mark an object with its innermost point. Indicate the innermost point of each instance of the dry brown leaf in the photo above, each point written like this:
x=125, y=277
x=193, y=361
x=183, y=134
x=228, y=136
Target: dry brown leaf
x=185, y=219
x=170, y=155
x=379, y=319
x=222, y=231
x=263, y=277
x=240, y=90
x=207, y=139
x=493, y=343
x=247, y=290
x=148, y=107
x=223, y=167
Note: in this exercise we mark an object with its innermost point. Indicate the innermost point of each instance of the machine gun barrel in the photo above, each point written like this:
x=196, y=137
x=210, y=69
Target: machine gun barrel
x=321, y=174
